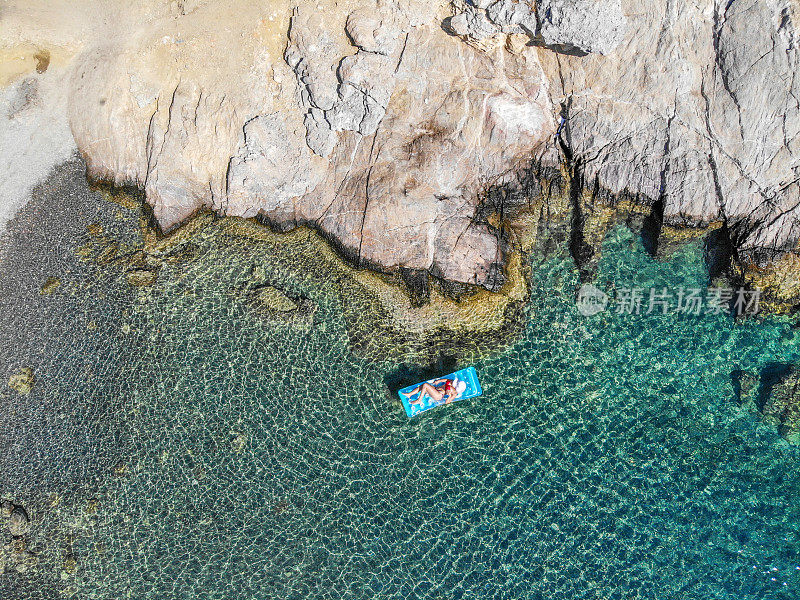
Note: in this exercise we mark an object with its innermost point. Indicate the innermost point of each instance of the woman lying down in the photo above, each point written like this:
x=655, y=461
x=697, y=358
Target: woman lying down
x=441, y=391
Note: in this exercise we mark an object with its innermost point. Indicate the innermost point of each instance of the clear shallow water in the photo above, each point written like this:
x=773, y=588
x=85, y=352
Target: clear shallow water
x=608, y=457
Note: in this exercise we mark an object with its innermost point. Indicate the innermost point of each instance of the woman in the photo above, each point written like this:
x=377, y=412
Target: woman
x=441, y=390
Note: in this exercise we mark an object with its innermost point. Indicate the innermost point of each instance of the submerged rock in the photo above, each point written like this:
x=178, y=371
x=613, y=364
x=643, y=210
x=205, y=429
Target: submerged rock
x=774, y=392
x=141, y=263
x=272, y=299
x=238, y=441
x=183, y=253
x=19, y=522
x=23, y=381
x=19, y=557
x=781, y=407
x=275, y=304
x=15, y=556
x=92, y=505
x=70, y=564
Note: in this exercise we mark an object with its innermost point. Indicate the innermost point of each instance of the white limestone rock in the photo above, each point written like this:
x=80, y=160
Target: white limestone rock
x=581, y=25
x=271, y=169
x=513, y=16
x=473, y=23
x=366, y=85
x=314, y=54
x=371, y=31
x=319, y=135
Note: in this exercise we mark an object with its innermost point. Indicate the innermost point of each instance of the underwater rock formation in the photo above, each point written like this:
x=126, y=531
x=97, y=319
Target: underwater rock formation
x=50, y=286
x=380, y=123
x=275, y=305
x=14, y=553
x=781, y=403
x=18, y=522
x=775, y=393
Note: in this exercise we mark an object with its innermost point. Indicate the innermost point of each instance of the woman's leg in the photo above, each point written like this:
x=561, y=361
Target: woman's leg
x=427, y=388
x=412, y=392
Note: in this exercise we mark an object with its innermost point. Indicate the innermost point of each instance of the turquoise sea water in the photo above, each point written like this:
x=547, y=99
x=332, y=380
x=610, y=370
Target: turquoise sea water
x=186, y=448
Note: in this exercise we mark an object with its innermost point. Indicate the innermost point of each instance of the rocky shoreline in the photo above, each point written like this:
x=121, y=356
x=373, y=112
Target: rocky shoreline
x=383, y=124
x=408, y=316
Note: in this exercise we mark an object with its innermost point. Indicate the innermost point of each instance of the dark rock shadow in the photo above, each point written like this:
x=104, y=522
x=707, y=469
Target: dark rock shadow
x=407, y=375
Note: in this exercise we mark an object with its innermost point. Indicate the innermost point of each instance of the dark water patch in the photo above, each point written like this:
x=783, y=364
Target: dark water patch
x=771, y=375
x=651, y=227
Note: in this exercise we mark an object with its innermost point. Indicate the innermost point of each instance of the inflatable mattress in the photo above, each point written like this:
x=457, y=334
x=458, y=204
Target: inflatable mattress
x=465, y=382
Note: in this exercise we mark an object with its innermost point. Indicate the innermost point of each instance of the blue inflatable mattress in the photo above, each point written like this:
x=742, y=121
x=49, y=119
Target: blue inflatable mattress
x=464, y=382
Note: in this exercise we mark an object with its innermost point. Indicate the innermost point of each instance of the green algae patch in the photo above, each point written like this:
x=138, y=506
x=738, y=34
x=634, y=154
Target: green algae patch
x=50, y=286
x=779, y=282
x=126, y=197
x=139, y=260
x=674, y=237
x=23, y=381
x=383, y=317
